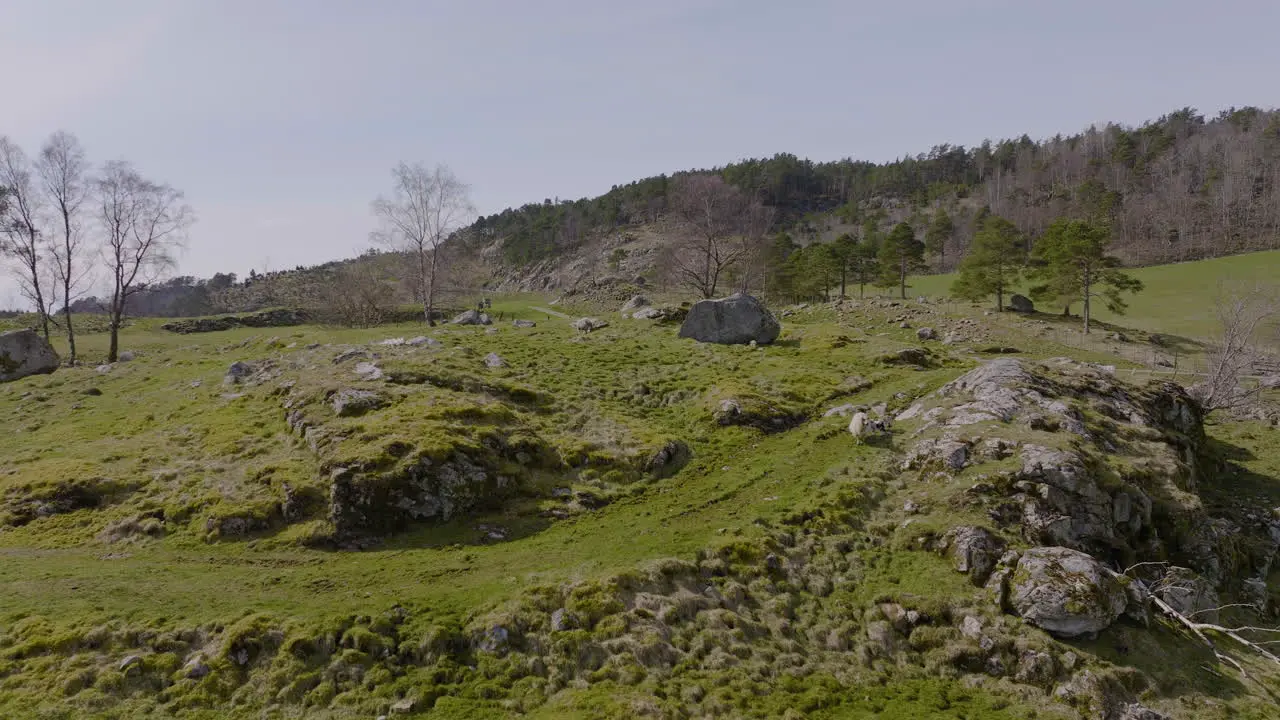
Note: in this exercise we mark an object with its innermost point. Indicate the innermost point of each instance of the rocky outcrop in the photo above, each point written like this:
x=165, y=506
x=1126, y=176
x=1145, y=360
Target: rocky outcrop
x=472, y=317
x=24, y=353
x=635, y=303
x=974, y=550
x=1065, y=592
x=266, y=318
x=736, y=320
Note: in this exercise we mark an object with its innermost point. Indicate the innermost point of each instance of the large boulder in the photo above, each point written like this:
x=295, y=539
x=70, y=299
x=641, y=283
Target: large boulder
x=1021, y=304
x=635, y=303
x=1066, y=592
x=472, y=317
x=23, y=353
x=735, y=320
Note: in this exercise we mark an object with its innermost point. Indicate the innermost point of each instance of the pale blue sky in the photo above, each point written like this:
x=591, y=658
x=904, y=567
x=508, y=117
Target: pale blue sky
x=282, y=118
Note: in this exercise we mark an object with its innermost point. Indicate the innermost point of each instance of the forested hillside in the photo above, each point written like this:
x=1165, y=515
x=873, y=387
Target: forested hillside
x=1178, y=188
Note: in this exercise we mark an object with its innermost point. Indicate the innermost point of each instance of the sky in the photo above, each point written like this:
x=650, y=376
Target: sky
x=281, y=119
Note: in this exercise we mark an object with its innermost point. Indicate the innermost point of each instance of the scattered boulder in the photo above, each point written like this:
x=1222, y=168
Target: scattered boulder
x=196, y=668
x=1021, y=304
x=975, y=551
x=351, y=402
x=661, y=314
x=351, y=354
x=126, y=356
x=368, y=371
x=494, y=360
x=927, y=333
x=472, y=317
x=238, y=373
x=736, y=320
x=635, y=303
x=24, y=353
x=841, y=411
x=589, y=324
x=1066, y=592
x=909, y=356
x=669, y=459
x=523, y=323
x=423, y=341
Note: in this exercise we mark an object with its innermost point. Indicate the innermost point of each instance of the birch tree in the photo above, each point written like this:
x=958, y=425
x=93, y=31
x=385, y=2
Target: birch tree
x=144, y=225
x=64, y=173
x=21, y=237
x=425, y=208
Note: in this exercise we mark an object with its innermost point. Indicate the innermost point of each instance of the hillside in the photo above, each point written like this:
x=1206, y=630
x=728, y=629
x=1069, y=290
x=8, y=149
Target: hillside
x=511, y=521
x=1179, y=188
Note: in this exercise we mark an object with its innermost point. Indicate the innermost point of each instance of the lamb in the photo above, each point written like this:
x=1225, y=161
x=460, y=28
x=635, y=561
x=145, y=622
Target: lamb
x=858, y=425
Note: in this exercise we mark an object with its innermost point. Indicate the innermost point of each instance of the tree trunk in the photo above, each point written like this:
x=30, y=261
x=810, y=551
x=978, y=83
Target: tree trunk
x=113, y=352
x=999, y=298
x=843, y=274
x=1087, y=288
x=902, y=276
x=430, y=299
x=71, y=335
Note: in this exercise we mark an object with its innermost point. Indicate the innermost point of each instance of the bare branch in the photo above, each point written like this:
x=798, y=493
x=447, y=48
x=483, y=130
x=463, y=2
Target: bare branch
x=425, y=209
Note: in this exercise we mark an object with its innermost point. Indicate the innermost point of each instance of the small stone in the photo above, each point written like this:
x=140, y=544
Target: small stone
x=368, y=371
x=494, y=360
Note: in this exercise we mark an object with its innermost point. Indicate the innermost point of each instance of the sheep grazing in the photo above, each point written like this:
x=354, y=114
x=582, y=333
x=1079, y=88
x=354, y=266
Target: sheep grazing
x=858, y=425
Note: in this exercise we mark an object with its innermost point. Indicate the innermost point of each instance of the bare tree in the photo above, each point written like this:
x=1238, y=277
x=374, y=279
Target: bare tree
x=1243, y=314
x=144, y=224
x=425, y=208
x=708, y=219
x=20, y=235
x=65, y=175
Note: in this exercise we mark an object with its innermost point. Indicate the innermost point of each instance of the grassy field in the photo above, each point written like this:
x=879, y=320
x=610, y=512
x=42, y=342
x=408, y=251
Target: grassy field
x=172, y=457
x=1178, y=299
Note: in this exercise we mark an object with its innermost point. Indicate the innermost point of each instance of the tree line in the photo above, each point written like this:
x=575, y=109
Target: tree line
x=1180, y=187
x=64, y=224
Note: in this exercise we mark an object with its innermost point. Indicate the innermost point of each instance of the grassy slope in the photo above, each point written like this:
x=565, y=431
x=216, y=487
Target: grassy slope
x=1178, y=298
x=59, y=579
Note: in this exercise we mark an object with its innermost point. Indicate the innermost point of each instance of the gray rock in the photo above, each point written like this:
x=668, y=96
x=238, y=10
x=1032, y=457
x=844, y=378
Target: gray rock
x=1066, y=592
x=351, y=355
x=635, y=303
x=350, y=403
x=1021, y=304
x=404, y=706
x=974, y=550
x=1189, y=593
x=472, y=317
x=523, y=323
x=24, y=353
x=735, y=320
x=368, y=371
x=971, y=627
x=126, y=356
x=927, y=333
x=589, y=324
x=103, y=369
x=238, y=373
x=562, y=620
x=494, y=360
x=129, y=662
x=195, y=668
x=669, y=459
x=841, y=411
x=495, y=640
x=423, y=341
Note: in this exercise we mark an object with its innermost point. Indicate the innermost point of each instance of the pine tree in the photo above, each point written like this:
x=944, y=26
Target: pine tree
x=901, y=255
x=941, y=230
x=995, y=262
x=1072, y=261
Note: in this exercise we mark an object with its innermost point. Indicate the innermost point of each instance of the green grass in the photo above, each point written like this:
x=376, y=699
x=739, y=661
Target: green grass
x=171, y=452
x=1178, y=299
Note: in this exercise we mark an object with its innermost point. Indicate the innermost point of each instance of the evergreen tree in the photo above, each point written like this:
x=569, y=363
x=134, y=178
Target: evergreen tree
x=864, y=264
x=995, y=262
x=844, y=247
x=901, y=255
x=1072, y=261
x=941, y=230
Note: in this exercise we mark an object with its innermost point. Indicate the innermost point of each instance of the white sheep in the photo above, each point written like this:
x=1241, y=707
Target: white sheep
x=858, y=425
